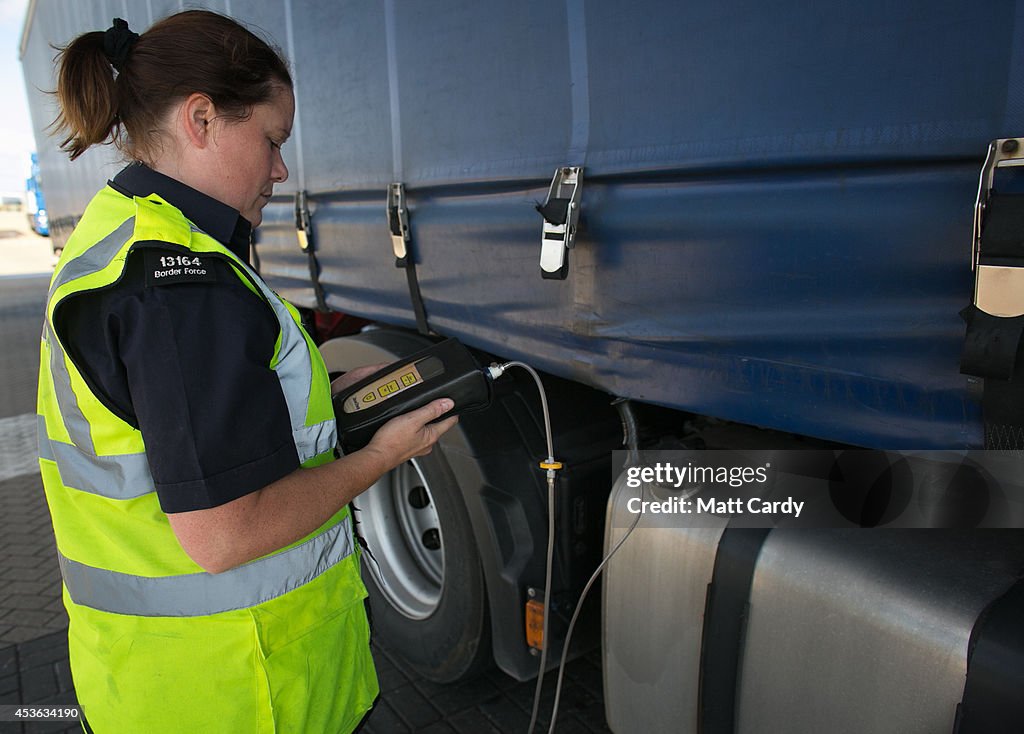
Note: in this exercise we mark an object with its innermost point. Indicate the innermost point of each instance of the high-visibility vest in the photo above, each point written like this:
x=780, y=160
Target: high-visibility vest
x=280, y=644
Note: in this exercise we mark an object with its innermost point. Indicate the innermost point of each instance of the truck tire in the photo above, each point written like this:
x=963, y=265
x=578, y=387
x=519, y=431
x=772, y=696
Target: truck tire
x=426, y=586
x=423, y=574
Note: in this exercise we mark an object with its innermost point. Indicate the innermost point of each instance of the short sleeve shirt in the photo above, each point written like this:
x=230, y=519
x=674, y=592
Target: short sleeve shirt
x=187, y=362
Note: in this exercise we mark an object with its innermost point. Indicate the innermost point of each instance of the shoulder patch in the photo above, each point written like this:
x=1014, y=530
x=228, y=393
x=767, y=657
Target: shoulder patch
x=164, y=267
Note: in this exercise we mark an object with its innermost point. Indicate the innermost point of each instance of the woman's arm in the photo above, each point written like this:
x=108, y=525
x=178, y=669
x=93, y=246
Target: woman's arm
x=223, y=537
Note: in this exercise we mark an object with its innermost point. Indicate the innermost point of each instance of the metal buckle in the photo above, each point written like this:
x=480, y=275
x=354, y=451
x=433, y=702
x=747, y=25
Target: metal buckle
x=303, y=226
x=398, y=222
x=559, y=231
x=998, y=289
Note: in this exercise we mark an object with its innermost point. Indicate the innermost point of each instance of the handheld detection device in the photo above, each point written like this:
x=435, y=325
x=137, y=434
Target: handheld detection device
x=444, y=370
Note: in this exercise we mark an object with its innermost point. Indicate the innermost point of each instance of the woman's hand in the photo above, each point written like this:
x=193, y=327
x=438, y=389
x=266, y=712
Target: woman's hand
x=408, y=435
x=353, y=376
x=412, y=434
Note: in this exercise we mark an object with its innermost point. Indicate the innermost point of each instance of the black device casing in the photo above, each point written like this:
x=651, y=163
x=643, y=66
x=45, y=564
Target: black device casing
x=463, y=381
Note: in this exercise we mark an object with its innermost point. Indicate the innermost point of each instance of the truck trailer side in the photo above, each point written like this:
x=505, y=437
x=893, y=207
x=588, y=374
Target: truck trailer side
x=761, y=220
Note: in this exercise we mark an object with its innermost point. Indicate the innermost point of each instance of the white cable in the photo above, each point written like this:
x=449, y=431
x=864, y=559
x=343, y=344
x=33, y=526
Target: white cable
x=576, y=614
x=495, y=371
x=547, y=602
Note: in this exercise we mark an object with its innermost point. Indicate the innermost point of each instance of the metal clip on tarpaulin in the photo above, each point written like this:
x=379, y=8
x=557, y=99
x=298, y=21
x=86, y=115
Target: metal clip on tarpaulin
x=401, y=243
x=995, y=319
x=561, y=212
x=998, y=248
x=304, y=232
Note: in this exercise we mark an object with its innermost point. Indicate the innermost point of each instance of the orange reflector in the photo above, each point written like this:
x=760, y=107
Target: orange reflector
x=535, y=624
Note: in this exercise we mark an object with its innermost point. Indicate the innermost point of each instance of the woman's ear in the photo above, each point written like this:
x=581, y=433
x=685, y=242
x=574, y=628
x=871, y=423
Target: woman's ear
x=196, y=116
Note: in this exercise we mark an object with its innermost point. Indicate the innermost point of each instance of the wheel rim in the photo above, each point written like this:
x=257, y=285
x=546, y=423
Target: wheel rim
x=398, y=518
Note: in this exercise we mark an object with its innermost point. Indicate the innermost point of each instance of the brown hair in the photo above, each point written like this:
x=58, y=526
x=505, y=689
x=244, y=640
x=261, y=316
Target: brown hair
x=193, y=51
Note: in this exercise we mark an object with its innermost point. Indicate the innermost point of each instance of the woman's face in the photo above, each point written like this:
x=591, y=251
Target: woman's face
x=248, y=155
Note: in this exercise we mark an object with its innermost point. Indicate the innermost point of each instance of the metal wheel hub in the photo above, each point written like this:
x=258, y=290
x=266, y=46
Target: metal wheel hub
x=399, y=521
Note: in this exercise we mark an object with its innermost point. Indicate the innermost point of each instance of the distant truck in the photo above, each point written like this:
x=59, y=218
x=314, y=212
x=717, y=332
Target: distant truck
x=35, y=202
x=758, y=227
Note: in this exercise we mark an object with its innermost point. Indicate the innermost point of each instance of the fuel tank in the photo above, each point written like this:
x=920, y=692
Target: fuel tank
x=866, y=631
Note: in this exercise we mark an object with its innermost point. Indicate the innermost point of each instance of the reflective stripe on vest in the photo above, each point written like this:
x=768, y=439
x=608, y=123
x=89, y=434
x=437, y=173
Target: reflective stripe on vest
x=75, y=422
x=199, y=594
x=94, y=259
x=295, y=372
x=93, y=474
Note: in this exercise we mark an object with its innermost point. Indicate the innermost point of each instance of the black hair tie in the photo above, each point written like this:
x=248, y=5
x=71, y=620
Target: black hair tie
x=118, y=41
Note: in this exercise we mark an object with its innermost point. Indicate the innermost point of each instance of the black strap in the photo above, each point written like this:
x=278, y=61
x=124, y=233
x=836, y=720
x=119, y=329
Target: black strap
x=994, y=351
x=555, y=211
x=314, y=275
x=414, y=290
x=725, y=621
x=1002, y=235
x=398, y=228
x=993, y=699
x=993, y=345
x=1002, y=408
x=307, y=243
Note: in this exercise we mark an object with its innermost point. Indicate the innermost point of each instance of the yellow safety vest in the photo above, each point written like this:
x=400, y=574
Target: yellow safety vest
x=279, y=644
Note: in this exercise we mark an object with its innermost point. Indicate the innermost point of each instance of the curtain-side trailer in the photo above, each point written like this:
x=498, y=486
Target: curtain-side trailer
x=709, y=225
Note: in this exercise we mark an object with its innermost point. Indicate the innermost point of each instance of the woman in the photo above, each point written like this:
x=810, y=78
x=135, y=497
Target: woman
x=187, y=439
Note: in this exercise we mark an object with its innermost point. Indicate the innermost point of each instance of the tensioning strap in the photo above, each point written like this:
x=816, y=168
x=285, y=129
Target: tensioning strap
x=401, y=243
x=307, y=243
x=993, y=347
x=414, y=294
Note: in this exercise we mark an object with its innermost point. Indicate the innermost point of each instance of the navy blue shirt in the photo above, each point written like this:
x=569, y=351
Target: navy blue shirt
x=187, y=362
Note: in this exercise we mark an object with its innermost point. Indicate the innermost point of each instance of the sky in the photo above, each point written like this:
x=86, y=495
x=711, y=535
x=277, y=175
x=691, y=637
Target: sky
x=16, y=139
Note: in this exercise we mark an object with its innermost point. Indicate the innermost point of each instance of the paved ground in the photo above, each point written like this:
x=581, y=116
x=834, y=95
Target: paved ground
x=21, y=250
x=33, y=625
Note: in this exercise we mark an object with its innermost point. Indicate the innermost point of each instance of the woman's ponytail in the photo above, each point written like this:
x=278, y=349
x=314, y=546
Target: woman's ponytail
x=86, y=94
